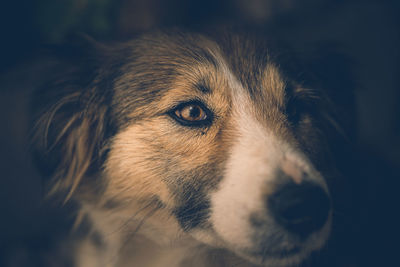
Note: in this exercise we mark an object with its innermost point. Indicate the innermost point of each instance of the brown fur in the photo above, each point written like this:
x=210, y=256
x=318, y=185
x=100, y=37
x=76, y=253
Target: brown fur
x=130, y=166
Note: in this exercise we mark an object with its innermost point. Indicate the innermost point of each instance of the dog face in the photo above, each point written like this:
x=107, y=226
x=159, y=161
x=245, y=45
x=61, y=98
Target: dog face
x=199, y=137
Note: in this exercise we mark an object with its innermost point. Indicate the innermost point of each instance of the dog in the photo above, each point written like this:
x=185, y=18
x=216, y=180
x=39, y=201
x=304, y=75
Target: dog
x=188, y=149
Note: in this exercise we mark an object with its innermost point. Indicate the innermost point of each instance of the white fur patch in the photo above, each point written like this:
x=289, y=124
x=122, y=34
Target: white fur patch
x=250, y=168
x=250, y=175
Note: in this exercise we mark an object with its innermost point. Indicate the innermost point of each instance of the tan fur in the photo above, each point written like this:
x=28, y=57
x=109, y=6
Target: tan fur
x=141, y=181
x=158, y=172
x=274, y=85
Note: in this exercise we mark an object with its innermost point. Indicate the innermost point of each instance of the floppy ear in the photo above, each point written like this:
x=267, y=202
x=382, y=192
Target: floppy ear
x=71, y=121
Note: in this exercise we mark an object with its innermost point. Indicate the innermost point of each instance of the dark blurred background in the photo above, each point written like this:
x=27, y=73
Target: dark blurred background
x=366, y=31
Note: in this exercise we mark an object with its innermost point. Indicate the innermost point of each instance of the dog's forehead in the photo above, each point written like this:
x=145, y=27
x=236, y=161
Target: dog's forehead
x=157, y=60
x=250, y=61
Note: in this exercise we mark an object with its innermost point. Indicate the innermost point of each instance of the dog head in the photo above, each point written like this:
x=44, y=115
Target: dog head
x=213, y=136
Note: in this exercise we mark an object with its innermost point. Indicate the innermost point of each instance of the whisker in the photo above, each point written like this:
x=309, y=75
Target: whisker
x=132, y=234
x=130, y=219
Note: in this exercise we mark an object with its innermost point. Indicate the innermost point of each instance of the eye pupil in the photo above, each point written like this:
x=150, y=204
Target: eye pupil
x=194, y=112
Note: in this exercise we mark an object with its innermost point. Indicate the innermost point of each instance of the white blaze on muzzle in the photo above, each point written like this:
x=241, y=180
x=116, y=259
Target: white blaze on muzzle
x=257, y=162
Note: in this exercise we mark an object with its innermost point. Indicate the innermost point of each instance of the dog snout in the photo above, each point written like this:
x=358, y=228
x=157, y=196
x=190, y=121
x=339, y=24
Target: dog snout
x=301, y=209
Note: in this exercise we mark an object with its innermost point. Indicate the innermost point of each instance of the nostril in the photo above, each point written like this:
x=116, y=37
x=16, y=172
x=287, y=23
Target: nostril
x=300, y=209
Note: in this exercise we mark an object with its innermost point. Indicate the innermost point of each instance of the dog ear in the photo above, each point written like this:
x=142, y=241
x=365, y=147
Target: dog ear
x=71, y=122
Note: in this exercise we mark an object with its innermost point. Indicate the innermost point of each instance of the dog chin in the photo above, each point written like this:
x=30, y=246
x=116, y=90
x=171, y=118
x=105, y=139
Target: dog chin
x=256, y=256
x=278, y=258
x=286, y=257
x=279, y=255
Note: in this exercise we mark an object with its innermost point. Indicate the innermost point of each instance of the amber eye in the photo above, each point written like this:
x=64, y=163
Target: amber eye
x=192, y=114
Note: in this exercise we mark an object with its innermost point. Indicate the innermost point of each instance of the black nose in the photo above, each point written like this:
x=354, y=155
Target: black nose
x=300, y=209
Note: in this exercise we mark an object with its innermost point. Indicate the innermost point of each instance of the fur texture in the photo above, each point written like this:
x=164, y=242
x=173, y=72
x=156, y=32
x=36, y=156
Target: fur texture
x=115, y=134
